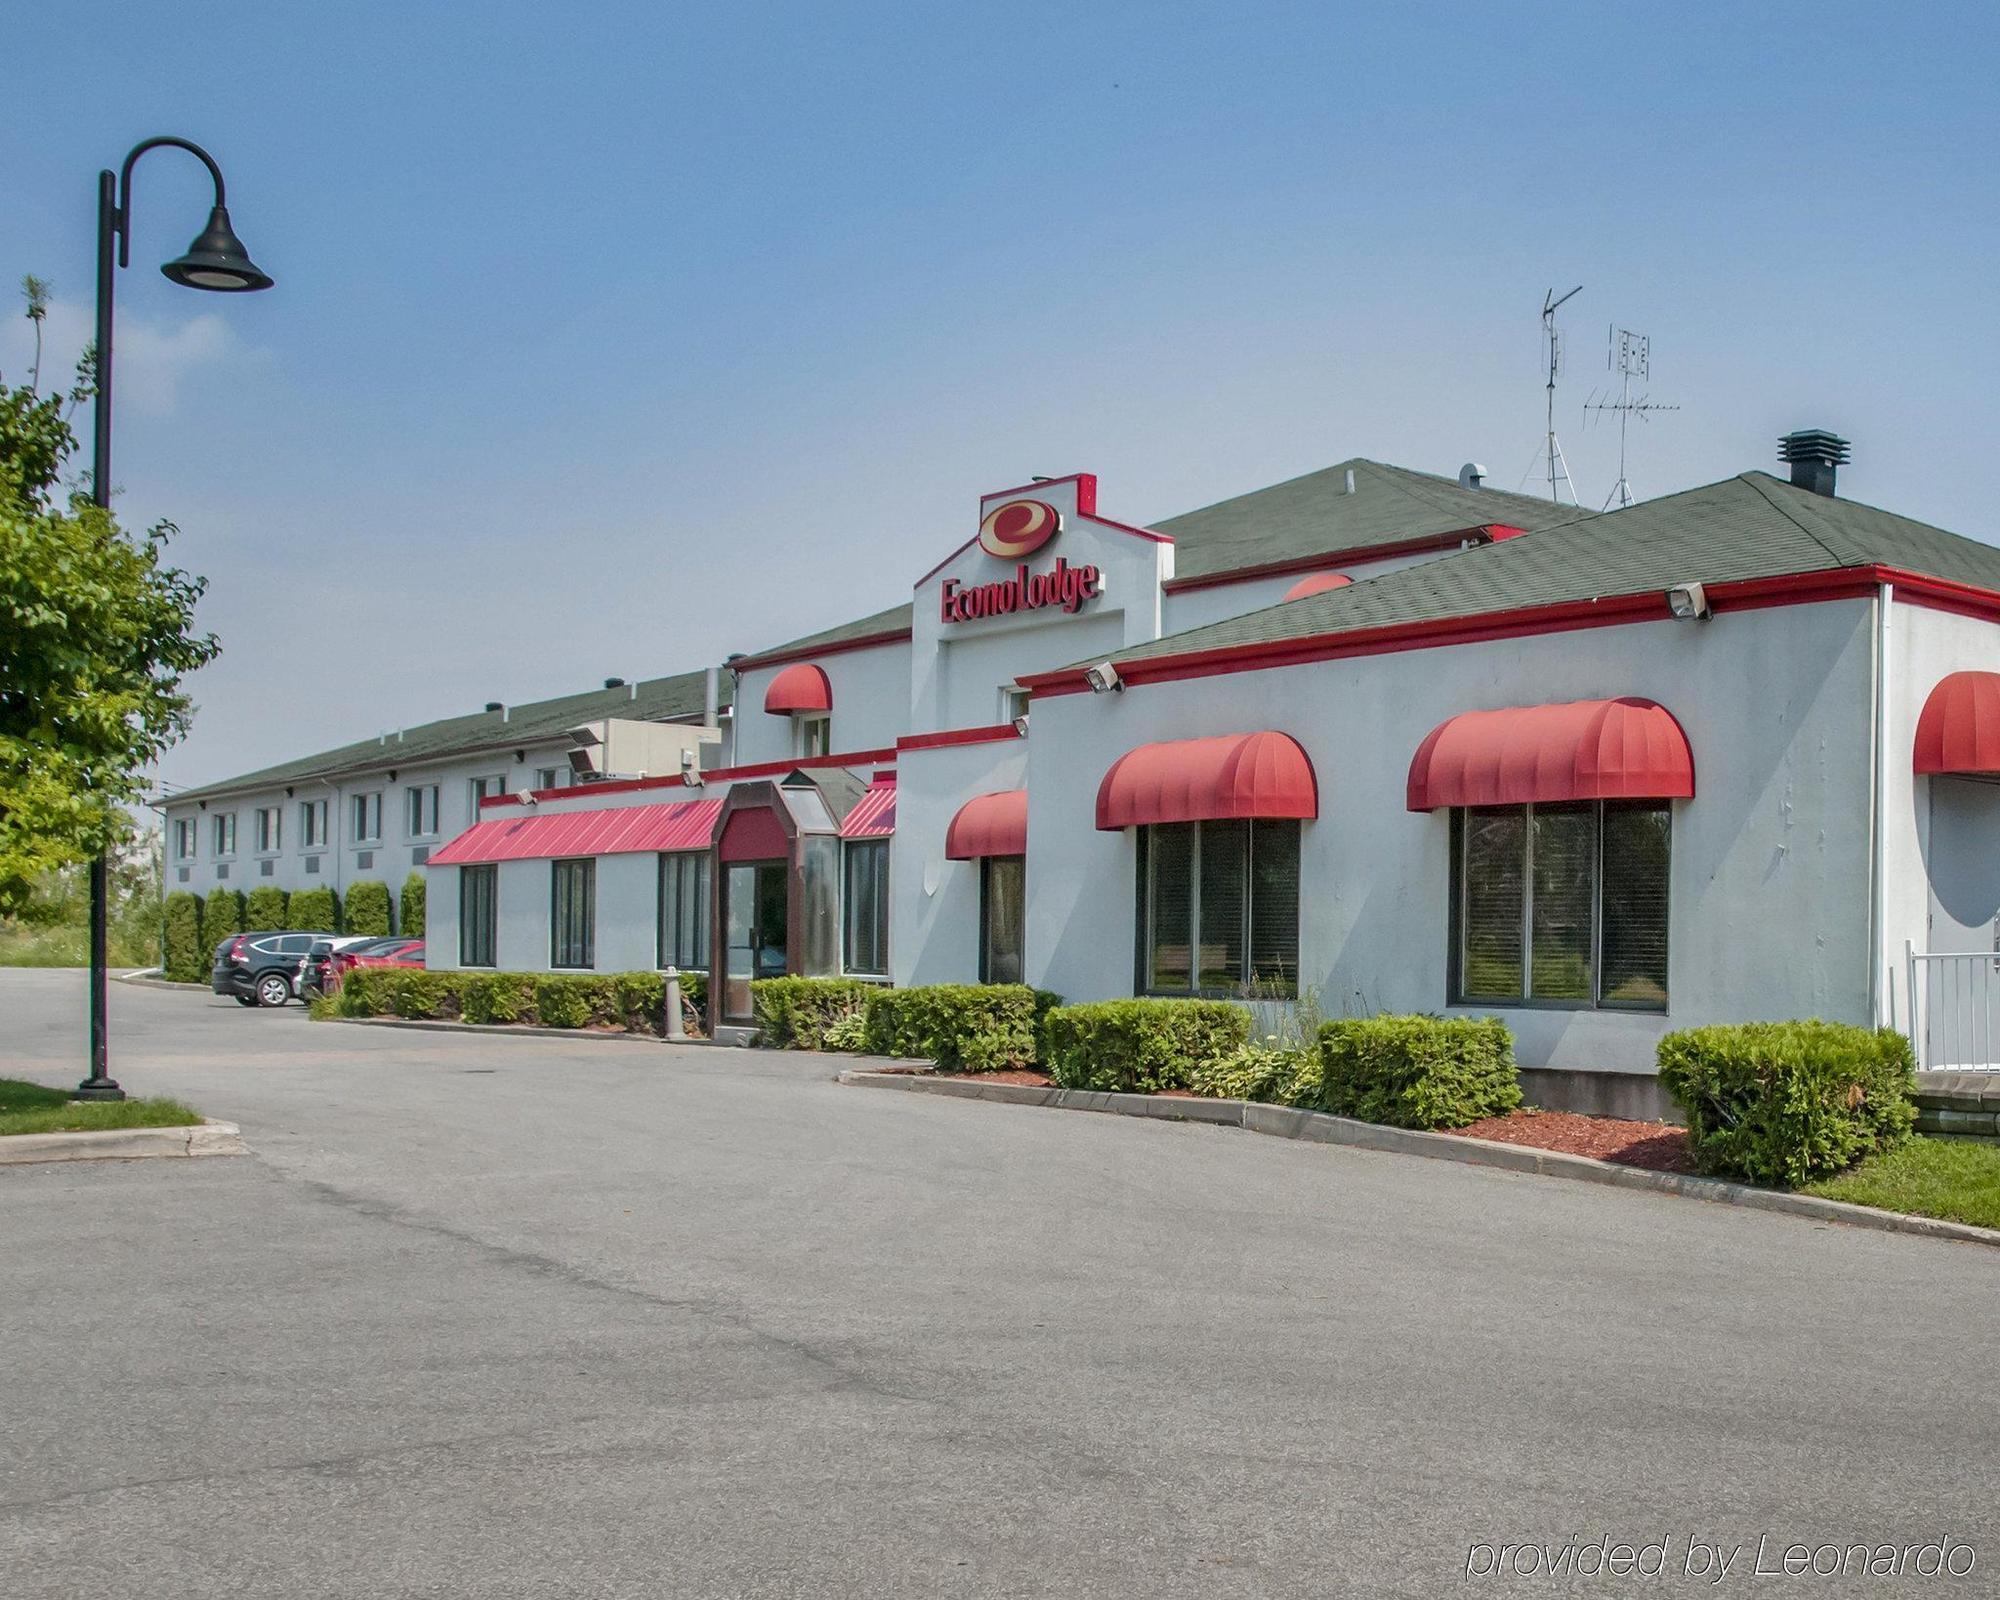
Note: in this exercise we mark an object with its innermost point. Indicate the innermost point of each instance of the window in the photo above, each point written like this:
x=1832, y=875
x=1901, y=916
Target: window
x=478, y=915
x=573, y=914
x=865, y=900
x=1003, y=904
x=312, y=823
x=184, y=839
x=224, y=834
x=1219, y=908
x=485, y=789
x=550, y=777
x=1013, y=702
x=269, y=821
x=367, y=817
x=684, y=910
x=1562, y=905
x=813, y=734
x=420, y=808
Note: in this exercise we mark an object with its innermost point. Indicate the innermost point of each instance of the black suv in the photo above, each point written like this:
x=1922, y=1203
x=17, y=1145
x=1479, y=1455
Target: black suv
x=260, y=969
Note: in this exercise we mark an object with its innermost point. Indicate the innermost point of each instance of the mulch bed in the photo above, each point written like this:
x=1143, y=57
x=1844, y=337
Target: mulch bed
x=1030, y=1080
x=1657, y=1146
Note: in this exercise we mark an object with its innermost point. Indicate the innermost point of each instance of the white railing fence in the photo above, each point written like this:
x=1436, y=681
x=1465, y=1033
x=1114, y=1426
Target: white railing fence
x=1954, y=1010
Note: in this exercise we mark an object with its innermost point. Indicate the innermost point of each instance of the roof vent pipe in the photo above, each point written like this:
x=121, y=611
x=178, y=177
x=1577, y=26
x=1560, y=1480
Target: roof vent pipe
x=1350, y=481
x=1815, y=456
x=711, y=697
x=1472, y=476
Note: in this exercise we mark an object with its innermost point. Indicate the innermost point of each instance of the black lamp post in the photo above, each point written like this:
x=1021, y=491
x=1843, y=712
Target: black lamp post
x=216, y=261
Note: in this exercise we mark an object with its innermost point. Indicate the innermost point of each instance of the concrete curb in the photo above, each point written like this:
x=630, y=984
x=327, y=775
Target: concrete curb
x=1288, y=1122
x=149, y=978
x=515, y=1029
x=124, y=1144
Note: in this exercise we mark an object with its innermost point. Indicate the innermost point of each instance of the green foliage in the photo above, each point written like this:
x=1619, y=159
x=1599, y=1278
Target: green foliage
x=794, y=1013
x=497, y=996
x=367, y=908
x=315, y=910
x=186, y=953
x=848, y=1033
x=419, y=995
x=629, y=1000
x=962, y=1027
x=1785, y=1102
x=1955, y=1179
x=222, y=914
x=1418, y=1072
x=1285, y=1075
x=1141, y=1046
x=411, y=910
x=31, y=1108
x=570, y=1001
x=95, y=638
x=264, y=909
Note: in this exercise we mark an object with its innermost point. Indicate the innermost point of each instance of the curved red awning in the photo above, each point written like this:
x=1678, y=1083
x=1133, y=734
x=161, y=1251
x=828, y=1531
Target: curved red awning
x=800, y=687
x=1317, y=583
x=1959, y=727
x=1192, y=780
x=989, y=825
x=1627, y=749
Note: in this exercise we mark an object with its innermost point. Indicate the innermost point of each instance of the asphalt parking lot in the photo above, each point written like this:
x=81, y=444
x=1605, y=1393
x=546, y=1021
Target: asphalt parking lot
x=508, y=1316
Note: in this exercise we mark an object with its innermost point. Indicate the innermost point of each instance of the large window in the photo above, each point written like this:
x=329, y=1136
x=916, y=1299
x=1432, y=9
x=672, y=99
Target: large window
x=1003, y=901
x=573, y=914
x=478, y=915
x=368, y=817
x=269, y=827
x=225, y=834
x=420, y=809
x=684, y=910
x=184, y=839
x=1219, y=908
x=486, y=789
x=865, y=900
x=312, y=823
x=1561, y=905
x=813, y=734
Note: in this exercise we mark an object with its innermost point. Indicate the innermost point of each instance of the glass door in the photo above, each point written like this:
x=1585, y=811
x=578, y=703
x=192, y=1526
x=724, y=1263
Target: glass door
x=756, y=925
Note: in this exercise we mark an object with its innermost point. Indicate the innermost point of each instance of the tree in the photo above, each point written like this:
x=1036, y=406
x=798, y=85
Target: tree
x=96, y=634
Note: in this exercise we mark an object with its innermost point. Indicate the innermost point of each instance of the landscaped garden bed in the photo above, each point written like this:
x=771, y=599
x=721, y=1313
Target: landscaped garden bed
x=1657, y=1146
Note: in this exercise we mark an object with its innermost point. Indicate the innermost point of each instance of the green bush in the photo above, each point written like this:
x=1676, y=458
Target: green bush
x=410, y=921
x=315, y=910
x=962, y=1027
x=1786, y=1102
x=367, y=908
x=573, y=1002
x=794, y=1013
x=221, y=915
x=186, y=959
x=1141, y=1046
x=1417, y=1072
x=1285, y=1075
x=631, y=1000
x=421, y=996
x=496, y=996
x=264, y=909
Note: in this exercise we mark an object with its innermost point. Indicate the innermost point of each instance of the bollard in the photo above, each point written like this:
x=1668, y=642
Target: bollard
x=676, y=1028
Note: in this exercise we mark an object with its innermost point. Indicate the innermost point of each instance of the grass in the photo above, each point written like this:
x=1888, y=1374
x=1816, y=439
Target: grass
x=34, y=1108
x=1952, y=1179
x=22, y=946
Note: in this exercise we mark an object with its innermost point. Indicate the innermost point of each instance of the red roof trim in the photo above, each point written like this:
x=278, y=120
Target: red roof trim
x=773, y=658
x=1263, y=774
x=952, y=736
x=874, y=814
x=800, y=687
x=762, y=769
x=1623, y=749
x=989, y=825
x=1086, y=490
x=1091, y=516
x=548, y=836
x=1333, y=558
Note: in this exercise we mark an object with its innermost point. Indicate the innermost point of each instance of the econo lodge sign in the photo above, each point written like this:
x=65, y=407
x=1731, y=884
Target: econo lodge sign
x=1012, y=532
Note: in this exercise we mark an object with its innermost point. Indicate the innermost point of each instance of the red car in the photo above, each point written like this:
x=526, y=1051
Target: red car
x=382, y=953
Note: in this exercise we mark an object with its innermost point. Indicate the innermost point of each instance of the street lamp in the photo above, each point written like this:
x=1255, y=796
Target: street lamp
x=217, y=262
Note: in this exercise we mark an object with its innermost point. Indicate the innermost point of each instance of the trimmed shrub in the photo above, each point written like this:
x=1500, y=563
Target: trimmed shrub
x=794, y=1013
x=315, y=910
x=962, y=1027
x=1140, y=1046
x=264, y=909
x=410, y=921
x=422, y=996
x=1785, y=1102
x=367, y=909
x=631, y=1000
x=1280, y=1074
x=575, y=1002
x=221, y=915
x=1417, y=1072
x=496, y=996
x=185, y=959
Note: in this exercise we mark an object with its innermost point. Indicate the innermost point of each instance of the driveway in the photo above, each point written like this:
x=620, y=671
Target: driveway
x=518, y=1317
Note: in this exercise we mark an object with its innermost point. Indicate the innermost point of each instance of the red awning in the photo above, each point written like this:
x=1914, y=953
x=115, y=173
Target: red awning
x=874, y=814
x=1236, y=775
x=528, y=835
x=1959, y=728
x=1317, y=583
x=1626, y=749
x=800, y=687
x=989, y=825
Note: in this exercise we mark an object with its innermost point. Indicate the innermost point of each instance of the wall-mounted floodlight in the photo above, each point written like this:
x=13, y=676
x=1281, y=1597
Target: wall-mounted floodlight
x=1103, y=678
x=1689, y=602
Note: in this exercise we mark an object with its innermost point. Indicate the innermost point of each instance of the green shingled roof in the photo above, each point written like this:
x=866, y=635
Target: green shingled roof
x=1315, y=515
x=656, y=700
x=895, y=620
x=1752, y=526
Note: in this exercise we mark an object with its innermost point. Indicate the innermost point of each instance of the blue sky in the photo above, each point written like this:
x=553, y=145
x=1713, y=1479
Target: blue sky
x=609, y=339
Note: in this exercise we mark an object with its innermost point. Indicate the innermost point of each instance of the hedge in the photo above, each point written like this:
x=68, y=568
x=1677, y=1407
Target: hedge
x=221, y=915
x=1417, y=1072
x=315, y=910
x=264, y=909
x=185, y=956
x=367, y=909
x=1785, y=1102
x=1283, y=1075
x=962, y=1027
x=410, y=921
x=796, y=1013
x=629, y=1000
x=1141, y=1046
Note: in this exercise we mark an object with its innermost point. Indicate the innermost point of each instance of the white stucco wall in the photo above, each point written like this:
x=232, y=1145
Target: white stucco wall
x=934, y=903
x=1768, y=901
x=871, y=701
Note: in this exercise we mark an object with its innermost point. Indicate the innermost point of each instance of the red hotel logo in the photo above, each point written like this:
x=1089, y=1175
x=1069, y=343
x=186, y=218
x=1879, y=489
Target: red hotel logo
x=1016, y=530
x=1062, y=585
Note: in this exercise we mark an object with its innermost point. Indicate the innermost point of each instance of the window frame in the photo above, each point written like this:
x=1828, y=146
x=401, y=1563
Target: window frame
x=222, y=827
x=363, y=804
x=419, y=799
x=270, y=830
x=810, y=728
x=477, y=788
x=187, y=837
x=312, y=824
x=682, y=865
x=1527, y=1000
x=986, y=866
x=585, y=869
x=553, y=774
x=1248, y=988
x=488, y=925
x=876, y=850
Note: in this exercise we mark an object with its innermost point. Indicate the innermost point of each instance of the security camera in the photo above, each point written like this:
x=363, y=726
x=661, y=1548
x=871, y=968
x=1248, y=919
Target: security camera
x=1688, y=601
x=690, y=769
x=1103, y=678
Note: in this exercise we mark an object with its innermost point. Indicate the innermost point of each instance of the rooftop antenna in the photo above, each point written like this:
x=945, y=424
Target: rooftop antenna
x=1630, y=356
x=1559, y=477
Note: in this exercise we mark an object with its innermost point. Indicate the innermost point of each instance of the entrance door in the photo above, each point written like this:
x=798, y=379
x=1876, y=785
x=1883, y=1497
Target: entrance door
x=756, y=926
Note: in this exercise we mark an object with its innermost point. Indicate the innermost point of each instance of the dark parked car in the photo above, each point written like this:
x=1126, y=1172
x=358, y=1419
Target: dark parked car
x=260, y=969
